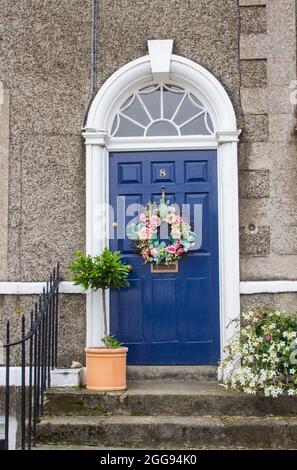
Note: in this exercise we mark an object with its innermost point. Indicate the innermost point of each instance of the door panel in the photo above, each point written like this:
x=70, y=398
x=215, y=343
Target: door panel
x=164, y=292
x=129, y=322
x=169, y=318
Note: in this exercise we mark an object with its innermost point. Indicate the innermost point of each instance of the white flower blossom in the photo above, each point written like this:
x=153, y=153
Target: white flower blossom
x=248, y=368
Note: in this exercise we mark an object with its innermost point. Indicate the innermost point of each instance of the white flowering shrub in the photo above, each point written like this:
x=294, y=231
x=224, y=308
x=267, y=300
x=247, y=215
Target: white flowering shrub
x=262, y=357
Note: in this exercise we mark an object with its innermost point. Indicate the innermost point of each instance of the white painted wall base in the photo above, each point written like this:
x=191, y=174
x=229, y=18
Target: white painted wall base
x=59, y=377
x=67, y=287
x=14, y=376
x=31, y=288
x=267, y=287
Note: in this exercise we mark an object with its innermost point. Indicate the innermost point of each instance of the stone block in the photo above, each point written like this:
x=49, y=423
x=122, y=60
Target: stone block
x=283, y=188
x=255, y=128
x=254, y=184
x=269, y=155
x=281, y=129
x=273, y=267
x=280, y=100
x=281, y=71
x=281, y=24
x=254, y=73
x=285, y=301
x=254, y=244
x=284, y=239
x=254, y=211
x=254, y=46
x=253, y=19
x=255, y=100
x=257, y=155
x=256, y=300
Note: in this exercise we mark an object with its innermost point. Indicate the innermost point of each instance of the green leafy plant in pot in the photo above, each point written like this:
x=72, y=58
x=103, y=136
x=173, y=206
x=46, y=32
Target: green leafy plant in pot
x=106, y=366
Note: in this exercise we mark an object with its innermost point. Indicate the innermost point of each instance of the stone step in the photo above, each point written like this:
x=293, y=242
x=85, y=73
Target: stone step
x=193, y=373
x=161, y=432
x=76, y=447
x=155, y=398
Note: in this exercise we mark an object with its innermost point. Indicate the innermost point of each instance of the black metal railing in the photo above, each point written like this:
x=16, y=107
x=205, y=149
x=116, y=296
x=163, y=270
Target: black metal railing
x=38, y=354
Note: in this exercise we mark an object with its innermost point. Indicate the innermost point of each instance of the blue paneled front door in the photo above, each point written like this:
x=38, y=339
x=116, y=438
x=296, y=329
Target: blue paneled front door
x=168, y=318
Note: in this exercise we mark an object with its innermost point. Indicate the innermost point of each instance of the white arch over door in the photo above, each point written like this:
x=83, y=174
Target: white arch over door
x=116, y=89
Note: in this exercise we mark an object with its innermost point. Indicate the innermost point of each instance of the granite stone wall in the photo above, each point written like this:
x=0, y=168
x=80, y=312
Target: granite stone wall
x=45, y=65
x=71, y=331
x=285, y=301
x=249, y=45
x=267, y=157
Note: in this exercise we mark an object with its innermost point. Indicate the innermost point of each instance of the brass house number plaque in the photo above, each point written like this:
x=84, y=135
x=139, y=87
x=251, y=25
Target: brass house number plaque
x=165, y=268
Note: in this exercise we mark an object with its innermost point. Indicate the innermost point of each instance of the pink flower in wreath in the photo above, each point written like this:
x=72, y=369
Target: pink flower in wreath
x=170, y=249
x=144, y=233
x=155, y=221
x=142, y=217
x=178, y=219
x=177, y=244
x=171, y=218
x=180, y=251
x=175, y=232
x=154, y=252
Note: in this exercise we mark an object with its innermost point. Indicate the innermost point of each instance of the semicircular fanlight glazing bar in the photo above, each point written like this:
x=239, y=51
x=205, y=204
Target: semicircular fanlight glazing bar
x=162, y=110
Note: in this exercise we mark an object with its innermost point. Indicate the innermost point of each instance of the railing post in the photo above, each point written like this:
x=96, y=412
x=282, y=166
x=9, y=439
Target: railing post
x=42, y=340
x=30, y=381
x=53, y=317
x=36, y=395
x=49, y=326
x=42, y=367
x=45, y=307
x=7, y=385
x=23, y=388
x=57, y=315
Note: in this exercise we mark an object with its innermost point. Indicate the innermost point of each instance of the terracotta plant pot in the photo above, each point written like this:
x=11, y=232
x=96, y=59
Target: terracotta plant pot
x=106, y=368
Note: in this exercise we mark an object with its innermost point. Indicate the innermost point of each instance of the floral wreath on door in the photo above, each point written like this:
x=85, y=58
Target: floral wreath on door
x=147, y=233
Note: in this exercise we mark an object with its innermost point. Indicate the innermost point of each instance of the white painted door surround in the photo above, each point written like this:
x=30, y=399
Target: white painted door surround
x=162, y=65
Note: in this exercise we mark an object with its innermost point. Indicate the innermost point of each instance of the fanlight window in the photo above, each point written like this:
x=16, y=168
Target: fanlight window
x=162, y=110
